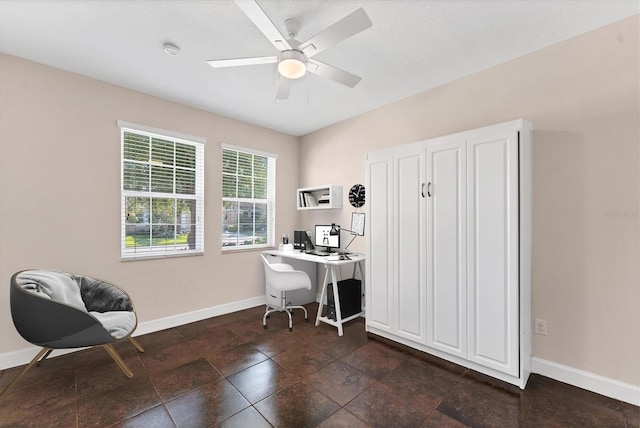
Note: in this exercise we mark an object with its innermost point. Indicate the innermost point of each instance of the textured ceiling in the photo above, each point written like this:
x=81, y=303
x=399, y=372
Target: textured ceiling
x=412, y=46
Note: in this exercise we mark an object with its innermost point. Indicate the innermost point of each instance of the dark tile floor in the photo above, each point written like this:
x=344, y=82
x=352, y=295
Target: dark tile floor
x=230, y=372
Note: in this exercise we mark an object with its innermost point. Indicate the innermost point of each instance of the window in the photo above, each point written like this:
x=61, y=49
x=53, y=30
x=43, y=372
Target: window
x=248, y=198
x=162, y=199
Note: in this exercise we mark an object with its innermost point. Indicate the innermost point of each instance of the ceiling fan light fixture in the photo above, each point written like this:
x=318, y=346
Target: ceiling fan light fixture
x=292, y=64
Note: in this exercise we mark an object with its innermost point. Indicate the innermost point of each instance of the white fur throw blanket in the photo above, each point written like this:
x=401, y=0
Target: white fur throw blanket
x=108, y=304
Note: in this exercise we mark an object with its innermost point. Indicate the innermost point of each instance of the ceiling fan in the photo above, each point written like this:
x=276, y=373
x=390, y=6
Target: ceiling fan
x=296, y=58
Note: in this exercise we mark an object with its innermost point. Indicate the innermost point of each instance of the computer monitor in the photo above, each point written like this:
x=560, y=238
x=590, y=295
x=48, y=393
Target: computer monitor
x=324, y=238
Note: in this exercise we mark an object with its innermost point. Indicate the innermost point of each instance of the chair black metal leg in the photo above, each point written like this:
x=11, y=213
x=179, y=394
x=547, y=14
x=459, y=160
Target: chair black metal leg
x=44, y=357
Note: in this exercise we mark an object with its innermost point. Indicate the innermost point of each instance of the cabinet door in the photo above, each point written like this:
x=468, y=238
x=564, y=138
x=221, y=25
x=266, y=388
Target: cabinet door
x=409, y=248
x=379, y=280
x=446, y=247
x=492, y=189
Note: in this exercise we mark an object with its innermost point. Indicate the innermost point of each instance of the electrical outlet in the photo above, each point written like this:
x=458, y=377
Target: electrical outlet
x=541, y=327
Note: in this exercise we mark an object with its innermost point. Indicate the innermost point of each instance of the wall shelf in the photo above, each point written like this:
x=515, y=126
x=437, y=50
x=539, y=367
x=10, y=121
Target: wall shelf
x=319, y=197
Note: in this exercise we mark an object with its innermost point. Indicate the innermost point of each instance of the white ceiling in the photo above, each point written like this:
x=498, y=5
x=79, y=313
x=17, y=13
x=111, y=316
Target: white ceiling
x=413, y=45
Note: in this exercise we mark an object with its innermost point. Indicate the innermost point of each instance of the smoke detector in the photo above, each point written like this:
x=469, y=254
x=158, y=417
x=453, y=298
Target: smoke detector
x=171, y=49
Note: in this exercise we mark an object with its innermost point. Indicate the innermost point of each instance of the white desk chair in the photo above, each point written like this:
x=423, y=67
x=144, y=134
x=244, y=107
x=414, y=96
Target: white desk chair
x=283, y=277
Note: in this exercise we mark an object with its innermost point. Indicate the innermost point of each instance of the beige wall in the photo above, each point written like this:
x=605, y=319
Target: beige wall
x=60, y=191
x=582, y=97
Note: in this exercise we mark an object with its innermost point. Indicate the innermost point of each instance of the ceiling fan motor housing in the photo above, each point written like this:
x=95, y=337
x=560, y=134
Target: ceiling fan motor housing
x=292, y=27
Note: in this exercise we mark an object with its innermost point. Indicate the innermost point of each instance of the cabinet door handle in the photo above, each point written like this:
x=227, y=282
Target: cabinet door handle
x=429, y=189
x=422, y=189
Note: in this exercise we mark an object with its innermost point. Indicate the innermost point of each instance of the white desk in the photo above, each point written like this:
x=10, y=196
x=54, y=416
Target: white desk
x=330, y=268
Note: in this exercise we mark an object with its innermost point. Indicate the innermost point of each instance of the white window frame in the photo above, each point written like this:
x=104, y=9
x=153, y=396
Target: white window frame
x=164, y=251
x=270, y=201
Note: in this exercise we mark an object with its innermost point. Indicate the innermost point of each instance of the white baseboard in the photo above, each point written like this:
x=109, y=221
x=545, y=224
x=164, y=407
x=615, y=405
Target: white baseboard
x=189, y=317
x=590, y=381
x=23, y=356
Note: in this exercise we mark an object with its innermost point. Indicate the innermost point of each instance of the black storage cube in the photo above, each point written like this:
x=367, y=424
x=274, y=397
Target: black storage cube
x=350, y=294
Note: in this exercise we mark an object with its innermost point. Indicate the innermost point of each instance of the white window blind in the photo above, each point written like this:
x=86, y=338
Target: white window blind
x=248, y=198
x=162, y=193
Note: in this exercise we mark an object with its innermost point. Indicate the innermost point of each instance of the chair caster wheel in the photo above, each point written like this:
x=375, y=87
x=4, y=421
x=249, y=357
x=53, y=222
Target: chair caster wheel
x=306, y=320
x=290, y=328
x=265, y=326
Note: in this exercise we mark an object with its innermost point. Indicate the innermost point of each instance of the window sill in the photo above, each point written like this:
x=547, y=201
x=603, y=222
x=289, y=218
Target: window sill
x=227, y=250
x=159, y=256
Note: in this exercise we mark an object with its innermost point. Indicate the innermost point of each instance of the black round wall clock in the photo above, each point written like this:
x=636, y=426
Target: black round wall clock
x=356, y=195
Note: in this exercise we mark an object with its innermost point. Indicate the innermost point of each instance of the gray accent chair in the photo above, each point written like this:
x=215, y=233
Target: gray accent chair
x=59, y=310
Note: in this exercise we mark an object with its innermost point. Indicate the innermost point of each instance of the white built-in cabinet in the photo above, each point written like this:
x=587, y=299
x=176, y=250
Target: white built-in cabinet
x=449, y=248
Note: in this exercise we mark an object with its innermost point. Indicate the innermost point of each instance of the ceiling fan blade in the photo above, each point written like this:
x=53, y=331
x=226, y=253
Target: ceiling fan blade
x=348, y=26
x=234, y=62
x=284, y=88
x=255, y=13
x=333, y=73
